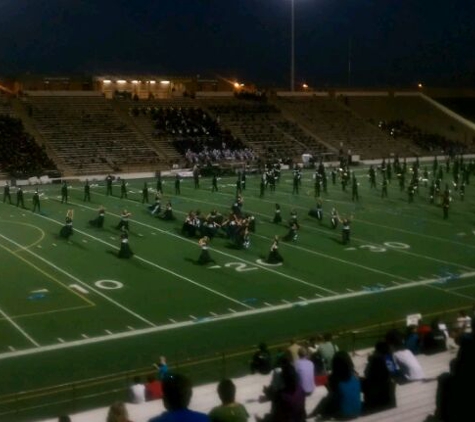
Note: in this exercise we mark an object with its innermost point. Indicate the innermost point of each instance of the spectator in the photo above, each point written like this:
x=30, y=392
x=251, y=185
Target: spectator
x=64, y=418
x=305, y=371
x=137, y=391
x=288, y=400
x=464, y=322
x=409, y=367
x=344, y=390
x=327, y=350
x=162, y=368
x=435, y=340
x=377, y=384
x=261, y=360
x=412, y=339
x=294, y=349
x=229, y=411
x=454, y=397
x=153, y=388
x=177, y=392
x=118, y=413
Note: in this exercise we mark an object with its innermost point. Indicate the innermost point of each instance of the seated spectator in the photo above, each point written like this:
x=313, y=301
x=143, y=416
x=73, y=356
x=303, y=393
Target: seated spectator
x=379, y=389
x=153, y=388
x=464, y=322
x=294, y=349
x=118, y=413
x=409, y=367
x=177, y=392
x=137, y=391
x=454, y=396
x=435, y=340
x=229, y=411
x=261, y=360
x=411, y=340
x=288, y=399
x=343, y=400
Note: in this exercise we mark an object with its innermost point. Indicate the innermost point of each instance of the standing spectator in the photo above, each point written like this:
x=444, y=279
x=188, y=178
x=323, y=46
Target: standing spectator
x=118, y=413
x=177, y=392
x=327, y=350
x=153, y=388
x=306, y=371
x=261, y=360
x=137, y=391
x=229, y=411
x=162, y=368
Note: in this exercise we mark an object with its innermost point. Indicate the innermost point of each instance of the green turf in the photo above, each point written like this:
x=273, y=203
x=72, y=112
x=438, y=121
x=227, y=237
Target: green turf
x=403, y=258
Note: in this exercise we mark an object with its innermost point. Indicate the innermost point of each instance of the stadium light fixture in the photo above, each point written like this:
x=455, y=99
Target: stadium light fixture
x=304, y=86
x=121, y=82
x=135, y=82
x=153, y=82
x=236, y=85
x=107, y=81
x=165, y=82
x=419, y=85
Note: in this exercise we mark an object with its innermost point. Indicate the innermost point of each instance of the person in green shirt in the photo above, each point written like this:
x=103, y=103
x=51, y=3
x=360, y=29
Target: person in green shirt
x=229, y=411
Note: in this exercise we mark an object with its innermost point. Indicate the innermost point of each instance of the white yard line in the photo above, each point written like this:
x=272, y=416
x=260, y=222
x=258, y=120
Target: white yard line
x=21, y=330
x=153, y=264
x=77, y=280
x=232, y=315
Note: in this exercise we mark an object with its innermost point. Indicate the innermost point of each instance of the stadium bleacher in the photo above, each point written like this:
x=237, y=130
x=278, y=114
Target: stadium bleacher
x=415, y=400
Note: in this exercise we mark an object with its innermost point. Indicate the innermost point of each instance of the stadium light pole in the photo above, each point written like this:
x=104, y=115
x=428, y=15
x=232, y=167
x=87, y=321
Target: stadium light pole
x=292, y=45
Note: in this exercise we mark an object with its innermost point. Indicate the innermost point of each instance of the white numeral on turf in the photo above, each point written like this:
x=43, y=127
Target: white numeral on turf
x=396, y=245
x=240, y=267
x=373, y=248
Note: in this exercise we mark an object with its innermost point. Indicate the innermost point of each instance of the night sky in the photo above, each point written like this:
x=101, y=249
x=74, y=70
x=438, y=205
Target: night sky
x=393, y=42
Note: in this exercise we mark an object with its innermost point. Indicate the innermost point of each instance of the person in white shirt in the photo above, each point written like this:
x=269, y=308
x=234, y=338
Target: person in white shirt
x=408, y=366
x=137, y=391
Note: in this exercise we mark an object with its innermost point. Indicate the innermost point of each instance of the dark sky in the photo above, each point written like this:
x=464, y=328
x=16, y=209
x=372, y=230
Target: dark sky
x=394, y=42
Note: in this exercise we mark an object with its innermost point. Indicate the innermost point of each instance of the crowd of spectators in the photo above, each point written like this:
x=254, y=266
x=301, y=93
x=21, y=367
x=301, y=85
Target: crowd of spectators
x=297, y=369
x=195, y=134
x=20, y=155
x=430, y=142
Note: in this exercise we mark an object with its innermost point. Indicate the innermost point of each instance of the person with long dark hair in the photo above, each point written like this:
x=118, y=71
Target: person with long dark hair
x=344, y=390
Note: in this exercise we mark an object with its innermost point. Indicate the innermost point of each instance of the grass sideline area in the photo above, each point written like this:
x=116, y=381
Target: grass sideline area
x=71, y=310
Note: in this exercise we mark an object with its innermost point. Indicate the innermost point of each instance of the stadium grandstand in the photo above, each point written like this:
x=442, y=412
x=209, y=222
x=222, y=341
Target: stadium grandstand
x=167, y=168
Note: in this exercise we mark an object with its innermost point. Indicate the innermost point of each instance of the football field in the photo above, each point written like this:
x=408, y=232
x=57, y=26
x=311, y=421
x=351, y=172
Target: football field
x=71, y=309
